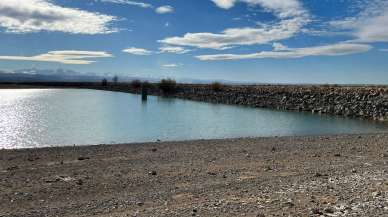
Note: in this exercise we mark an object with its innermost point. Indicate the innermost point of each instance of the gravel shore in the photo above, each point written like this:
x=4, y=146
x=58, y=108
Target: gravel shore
x=287, y=176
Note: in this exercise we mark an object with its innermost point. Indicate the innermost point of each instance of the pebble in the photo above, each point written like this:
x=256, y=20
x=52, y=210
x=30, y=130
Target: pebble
x=83, y=158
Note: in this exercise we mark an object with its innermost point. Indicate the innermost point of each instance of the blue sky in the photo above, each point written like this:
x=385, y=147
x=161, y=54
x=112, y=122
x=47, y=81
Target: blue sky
x=275, y=41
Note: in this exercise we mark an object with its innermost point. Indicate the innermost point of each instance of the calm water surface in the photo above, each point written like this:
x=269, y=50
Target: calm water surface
x=55, y=117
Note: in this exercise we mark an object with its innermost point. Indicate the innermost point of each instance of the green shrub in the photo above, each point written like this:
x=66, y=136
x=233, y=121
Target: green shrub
x=167, y=85
x=216, y=86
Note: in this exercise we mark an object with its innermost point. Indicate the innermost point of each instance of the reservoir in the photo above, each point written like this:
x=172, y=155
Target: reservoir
x=32, y=118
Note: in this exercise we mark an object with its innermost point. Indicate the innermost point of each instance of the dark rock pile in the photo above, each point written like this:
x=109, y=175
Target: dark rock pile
x=368, y=102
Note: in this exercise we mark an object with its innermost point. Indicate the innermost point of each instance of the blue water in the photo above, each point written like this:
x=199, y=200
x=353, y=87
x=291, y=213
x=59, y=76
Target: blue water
x=57, y=117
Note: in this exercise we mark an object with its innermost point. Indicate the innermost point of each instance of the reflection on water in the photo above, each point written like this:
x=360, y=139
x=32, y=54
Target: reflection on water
x=37, y=118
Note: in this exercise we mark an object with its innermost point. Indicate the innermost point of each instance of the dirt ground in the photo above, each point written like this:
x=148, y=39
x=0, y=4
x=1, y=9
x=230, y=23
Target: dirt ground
x=286, y=176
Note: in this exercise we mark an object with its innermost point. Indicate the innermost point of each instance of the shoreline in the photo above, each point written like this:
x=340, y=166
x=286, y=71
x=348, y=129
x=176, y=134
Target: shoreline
x=269, y=176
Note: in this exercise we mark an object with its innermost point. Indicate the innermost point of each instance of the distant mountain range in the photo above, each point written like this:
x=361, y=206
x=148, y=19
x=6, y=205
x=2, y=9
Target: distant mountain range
x=63, y=75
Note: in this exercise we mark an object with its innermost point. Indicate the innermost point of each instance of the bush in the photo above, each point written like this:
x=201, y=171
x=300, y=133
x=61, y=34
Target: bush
x=167, y=85
x=146, y=84
x=136, y=84
x=115, y=79
x=216, y=86
x=104, y=82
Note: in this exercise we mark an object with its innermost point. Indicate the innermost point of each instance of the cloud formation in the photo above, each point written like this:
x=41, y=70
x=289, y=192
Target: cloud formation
x=128, y=2
x=164, y=9
x=283, y=52
x=24, y=16
x=173, y=49
x=370, y=25
x=137, y=51
x=292, y=18
x=282, y=8
x=74, y=57
x=171, y=65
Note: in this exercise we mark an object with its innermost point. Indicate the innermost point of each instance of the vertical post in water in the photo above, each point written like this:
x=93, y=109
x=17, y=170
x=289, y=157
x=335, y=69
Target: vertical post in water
x=144, y=92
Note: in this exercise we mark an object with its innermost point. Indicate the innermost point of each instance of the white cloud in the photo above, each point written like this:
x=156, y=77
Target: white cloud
x=164, y=9
x=137, y=51
x=288, y=53
x=282, y=8
x=66, y=57
x=292, y=18
x=279, y=47
x=173, y=49
x=239, y=36
x=23, y=16
x=384, y=50
x=128, y=2
x=370, y=25
x=225, y=4
x=171, y=65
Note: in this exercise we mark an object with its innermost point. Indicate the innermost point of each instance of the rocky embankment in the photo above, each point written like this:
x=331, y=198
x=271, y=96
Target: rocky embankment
x=368, y=102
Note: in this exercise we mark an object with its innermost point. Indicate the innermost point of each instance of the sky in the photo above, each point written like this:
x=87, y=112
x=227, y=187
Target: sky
x=264, y=41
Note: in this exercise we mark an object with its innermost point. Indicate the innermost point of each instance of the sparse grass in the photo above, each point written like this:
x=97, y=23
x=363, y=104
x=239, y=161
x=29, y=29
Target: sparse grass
x=167, y=85
x=216, y=86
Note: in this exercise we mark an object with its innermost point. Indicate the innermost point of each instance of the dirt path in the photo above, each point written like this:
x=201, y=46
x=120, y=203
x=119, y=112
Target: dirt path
x=288, y=176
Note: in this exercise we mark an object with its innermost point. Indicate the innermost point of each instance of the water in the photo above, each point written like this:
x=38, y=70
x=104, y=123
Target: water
x=56, y=117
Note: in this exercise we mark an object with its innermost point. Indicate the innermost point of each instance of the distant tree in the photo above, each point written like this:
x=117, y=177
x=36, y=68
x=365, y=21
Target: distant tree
x=216, y=86
x=136, y=83
x=115, y=79
x=167, y=85
x=104, y=82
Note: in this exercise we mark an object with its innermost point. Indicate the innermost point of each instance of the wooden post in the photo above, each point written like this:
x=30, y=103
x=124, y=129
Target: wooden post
x=144, y=92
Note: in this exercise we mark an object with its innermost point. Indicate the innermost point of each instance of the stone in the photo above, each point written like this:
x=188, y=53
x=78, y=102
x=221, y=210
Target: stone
x=316, y=211
x=329, y=210
x=83, y=158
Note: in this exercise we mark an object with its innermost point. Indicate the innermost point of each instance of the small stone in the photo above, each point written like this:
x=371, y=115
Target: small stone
x=80, y=182
x=316, y=211
x=153, y=173
x=212, y=173
x=329, y=210
x=83, y=158
x=337, y=155
x=12, y=168
x=376, y=194
x=354, y=171
x=154, y=149
x=289, y=204
x=140, y=203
